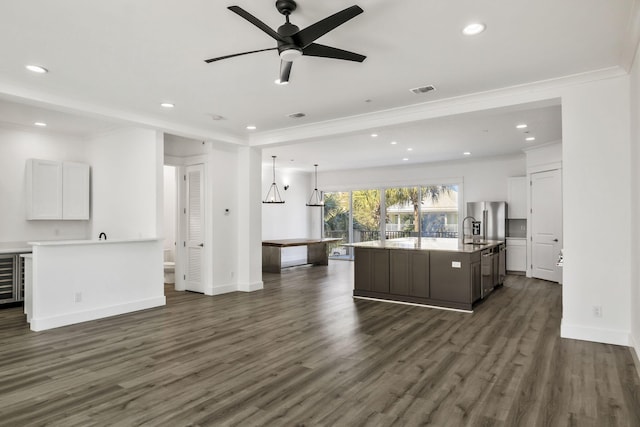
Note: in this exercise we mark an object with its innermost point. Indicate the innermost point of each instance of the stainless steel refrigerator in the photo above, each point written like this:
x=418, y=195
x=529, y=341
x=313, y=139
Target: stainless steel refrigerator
x=492, y=217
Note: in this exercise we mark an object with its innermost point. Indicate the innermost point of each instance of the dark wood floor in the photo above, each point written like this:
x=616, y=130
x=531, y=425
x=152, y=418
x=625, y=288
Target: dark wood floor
x=303, y=352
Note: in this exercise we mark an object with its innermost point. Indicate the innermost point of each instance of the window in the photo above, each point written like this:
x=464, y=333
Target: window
x=425, y=211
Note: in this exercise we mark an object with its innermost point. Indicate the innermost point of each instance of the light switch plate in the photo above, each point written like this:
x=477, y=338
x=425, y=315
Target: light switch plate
x=456, y=264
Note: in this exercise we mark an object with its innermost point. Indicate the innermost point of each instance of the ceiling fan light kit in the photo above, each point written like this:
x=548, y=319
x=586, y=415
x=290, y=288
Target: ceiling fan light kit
x=273, y=195
x=316, y=199
x=293, y=42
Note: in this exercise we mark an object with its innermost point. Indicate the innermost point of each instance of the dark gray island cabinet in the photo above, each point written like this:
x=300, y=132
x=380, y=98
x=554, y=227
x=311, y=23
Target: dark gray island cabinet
x=430, y=273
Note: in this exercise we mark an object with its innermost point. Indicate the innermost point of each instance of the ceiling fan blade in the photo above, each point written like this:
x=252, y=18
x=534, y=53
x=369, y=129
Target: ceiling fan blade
x=315, y=49
x=313, y=32
x=255, y=21
x=208, y=61
x=285, y=71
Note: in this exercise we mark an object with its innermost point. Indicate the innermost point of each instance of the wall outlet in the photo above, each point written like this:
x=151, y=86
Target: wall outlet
x=78, y=296
x=456, y=264
x=597, y=311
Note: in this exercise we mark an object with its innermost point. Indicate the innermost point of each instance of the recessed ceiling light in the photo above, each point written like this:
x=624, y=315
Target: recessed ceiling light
x=394, y=142
x=466, y=153
x=278, y=82
x=41, y=124
x=409, y=149
x=251, y=127
x=473, y=29
x=521, y=126
x=530, y=138
x=36, y=69
x=374, y=135
x=423, y=89
x=167, y=105
x=405, y=159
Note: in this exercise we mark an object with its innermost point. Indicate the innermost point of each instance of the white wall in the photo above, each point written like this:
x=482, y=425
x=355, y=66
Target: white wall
x=16, y=146
x=221, y=210
x=170, y=208
x=293, y=218
x=483, y=179
x=541, y=157
x=126, y=184
x=634, y=234
x=596, y=182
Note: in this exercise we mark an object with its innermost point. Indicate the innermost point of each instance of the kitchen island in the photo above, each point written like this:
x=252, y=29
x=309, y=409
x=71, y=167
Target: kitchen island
x=428, y=271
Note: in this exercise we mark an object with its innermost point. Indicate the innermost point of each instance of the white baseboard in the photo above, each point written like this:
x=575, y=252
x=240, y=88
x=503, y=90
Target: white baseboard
x=601, y=335
x=43, y=323
x=250, y=287
x=635, y=352
x=223, y=289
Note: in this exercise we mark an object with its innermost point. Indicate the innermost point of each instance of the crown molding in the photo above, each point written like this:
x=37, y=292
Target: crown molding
x=546, y=92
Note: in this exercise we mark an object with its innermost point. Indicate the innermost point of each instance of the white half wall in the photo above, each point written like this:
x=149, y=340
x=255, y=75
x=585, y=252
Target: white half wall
x=78, y=282
x=126, y=183
x=16, y=146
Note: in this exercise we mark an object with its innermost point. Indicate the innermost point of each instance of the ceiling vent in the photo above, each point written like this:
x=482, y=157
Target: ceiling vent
x=423, y=89
x=296, y=115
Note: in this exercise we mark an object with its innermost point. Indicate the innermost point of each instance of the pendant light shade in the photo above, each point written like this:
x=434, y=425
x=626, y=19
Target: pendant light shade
x=316, y=198
x=273, y=195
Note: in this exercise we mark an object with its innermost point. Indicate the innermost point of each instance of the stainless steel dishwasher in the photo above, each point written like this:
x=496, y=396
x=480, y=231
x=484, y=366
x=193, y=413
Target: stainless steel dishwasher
x=486, y=267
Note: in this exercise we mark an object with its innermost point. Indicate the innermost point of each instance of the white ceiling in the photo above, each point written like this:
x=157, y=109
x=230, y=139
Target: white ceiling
x=116, y=61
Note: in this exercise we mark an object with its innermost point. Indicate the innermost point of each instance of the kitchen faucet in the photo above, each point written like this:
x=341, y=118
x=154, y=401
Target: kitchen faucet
x=464, y=236
x=102, y=234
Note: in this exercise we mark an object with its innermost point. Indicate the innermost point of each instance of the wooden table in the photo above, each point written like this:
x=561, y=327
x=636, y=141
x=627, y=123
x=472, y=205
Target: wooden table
x=317, y=253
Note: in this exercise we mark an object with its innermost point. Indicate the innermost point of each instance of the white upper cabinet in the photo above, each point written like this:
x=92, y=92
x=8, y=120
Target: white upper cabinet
x=44, y=189
x=57, y=190
x=75, y=191
x=517, y=197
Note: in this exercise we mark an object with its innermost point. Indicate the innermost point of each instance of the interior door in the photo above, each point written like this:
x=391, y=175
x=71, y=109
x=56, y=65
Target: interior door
x=546, y=224
x=195, y=228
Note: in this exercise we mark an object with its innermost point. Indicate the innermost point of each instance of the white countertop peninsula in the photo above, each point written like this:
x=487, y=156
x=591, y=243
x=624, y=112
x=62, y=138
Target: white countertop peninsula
x=14, y=247
x=75, y=281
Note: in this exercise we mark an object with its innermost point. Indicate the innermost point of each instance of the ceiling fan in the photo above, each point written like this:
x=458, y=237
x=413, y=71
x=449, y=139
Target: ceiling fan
x=293, y=42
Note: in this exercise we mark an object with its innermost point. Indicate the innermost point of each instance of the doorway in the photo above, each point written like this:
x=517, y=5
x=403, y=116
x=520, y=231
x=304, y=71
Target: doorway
x=170, y=221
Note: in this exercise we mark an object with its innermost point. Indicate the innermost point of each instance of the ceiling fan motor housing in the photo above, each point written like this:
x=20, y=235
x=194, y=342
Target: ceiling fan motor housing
x=288, y=49
x=285, y=7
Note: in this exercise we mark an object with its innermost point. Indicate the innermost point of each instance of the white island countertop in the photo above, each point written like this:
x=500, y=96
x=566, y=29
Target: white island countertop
x=91, y=242
x=14, y=247
x=427, y=244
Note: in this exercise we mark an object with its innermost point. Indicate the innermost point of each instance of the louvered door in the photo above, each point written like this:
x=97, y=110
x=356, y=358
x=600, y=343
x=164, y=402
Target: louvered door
x=195, y=228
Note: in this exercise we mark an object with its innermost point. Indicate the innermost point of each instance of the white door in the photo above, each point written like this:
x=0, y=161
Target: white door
x=546, y=224
x=195, y=228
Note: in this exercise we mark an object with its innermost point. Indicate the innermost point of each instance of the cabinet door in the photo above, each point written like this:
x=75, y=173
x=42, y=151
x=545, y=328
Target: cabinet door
x=476, y=281
x=517, y=197
x=362, y=267
x=516, y=256
x=75, y=191
x=419, y=274
x=380, y=270
x=399, y=272
x=44, y=189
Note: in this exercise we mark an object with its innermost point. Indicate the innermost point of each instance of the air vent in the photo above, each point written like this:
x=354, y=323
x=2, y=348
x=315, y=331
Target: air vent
x=296, y=115
x=423, y=89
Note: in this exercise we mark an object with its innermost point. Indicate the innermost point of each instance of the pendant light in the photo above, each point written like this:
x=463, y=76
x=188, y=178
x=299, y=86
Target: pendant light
x=273, y=195
x=316, y=198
